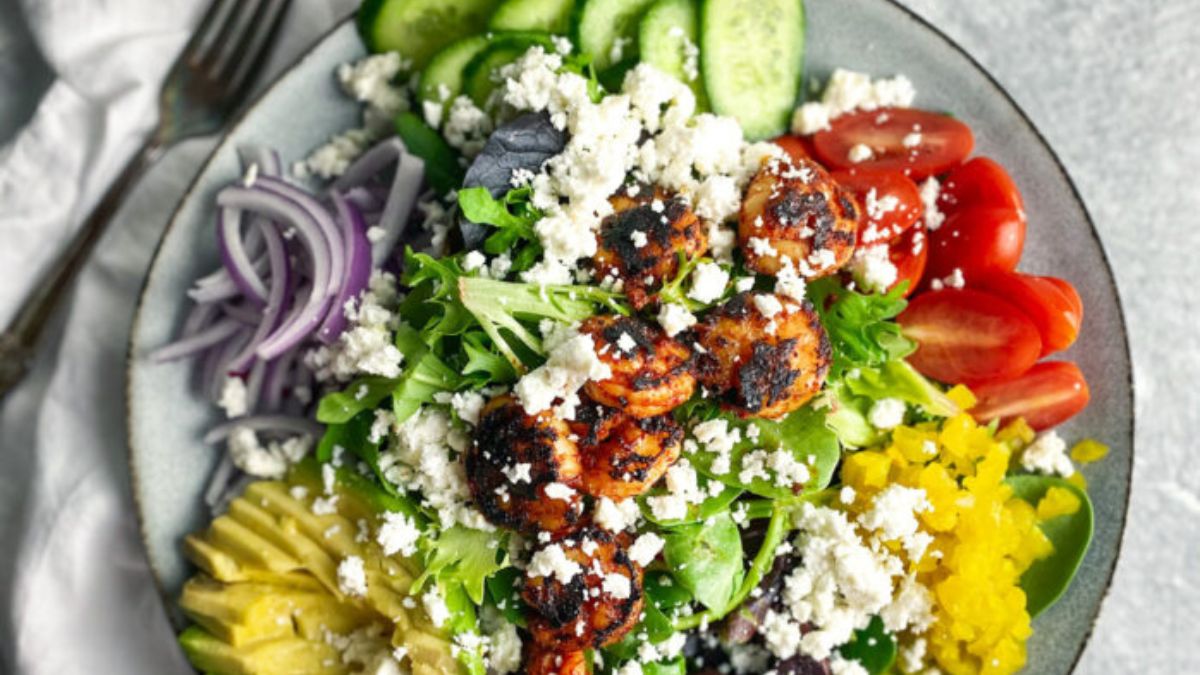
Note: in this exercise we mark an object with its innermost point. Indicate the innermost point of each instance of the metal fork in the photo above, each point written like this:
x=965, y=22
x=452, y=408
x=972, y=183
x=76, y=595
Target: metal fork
x=209, y=80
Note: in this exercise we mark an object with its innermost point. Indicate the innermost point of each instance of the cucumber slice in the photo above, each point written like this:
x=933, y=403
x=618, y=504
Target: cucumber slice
x=442, y=79
x=478, y=82
x=752, y=59
x=418, y=29
x=600, y=24
x=551, y=16
x=668, y=40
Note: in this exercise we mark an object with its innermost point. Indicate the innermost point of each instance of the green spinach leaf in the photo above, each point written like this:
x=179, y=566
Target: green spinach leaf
x=873, y=648
x=1047, y=579
x=464, y=556
x=706, y=558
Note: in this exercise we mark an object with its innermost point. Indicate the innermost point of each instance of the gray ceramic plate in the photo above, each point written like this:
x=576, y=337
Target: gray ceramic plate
x=304, y=108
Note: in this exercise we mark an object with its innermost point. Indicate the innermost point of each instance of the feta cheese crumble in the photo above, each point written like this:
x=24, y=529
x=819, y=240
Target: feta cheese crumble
x=675, y=319
x=887, y=413
x=233, y=397
x=1048, y=455
x=848, y=91
x=398, y=534
x=352, y=577
x=552, y=561
x=708, y=283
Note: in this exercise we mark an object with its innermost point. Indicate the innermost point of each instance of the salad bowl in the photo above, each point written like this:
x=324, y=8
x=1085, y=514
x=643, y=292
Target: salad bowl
x=171, y=465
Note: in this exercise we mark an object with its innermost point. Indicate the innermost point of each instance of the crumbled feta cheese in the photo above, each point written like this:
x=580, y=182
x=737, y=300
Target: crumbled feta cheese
x=847, y=495
x=768, y=305
x=398, y=534
x=435, y=606
x=848, y=91
x=859, y=153
x=811, y=118
x=617, y=585
x=559, y=491
x=271, y=461
x=626, y=343
x=233, y=397
x=518, y=473
x=646, y=548
x=474, y=260
x=873, y=269
x=931, y=190
x=887, y=413
x=352, y=577
x=1048, y=455
x=639, y=239
x=366, y=347
x=467, y=126
x=552, y=561
x=675, y=319
x=708, y=282
x=617, y=516
x=893, y=513
x=467, y=405
x=569, y=367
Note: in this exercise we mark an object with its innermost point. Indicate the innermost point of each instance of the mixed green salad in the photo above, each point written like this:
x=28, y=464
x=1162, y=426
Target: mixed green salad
x=597, y=349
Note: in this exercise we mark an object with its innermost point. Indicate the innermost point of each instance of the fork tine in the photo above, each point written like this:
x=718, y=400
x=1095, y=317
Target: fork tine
x=248, y=54
x=231, y=35
x=205, y=37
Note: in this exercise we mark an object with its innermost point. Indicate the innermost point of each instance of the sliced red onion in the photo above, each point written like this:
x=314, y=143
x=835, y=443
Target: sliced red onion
x=199, y=318
x=410, y=173
x=228, y=349
x=278, y=300
x=281, y=424
x=276, y=381
x=235, y=258
x=357, y=268
x=220, y=480
x=215, y=334
x=254, y=382
x=219, y=285
x=247, y=316
x=267, y=160
x=366, y=201
x=311, y=222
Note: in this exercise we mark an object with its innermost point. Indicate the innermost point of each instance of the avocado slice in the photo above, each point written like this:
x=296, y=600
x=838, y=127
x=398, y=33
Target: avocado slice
x=275, y=657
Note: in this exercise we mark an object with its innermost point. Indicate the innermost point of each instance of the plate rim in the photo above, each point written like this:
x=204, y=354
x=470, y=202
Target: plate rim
x=912, y=15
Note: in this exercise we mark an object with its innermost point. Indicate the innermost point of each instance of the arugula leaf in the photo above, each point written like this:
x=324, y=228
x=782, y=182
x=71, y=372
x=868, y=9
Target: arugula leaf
x=481, y=360
x=441, y=161
x=706, y=558
x=1047, y=579
x=424, y=378
x=873, y=648
x=463, y=621
x=365, y=393
x=860, y=327
x=464, y=556
x=355, y=437
x=803, y=433
x=897, y=379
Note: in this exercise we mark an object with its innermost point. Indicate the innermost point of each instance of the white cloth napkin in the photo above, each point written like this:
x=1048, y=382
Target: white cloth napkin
x=76, y=595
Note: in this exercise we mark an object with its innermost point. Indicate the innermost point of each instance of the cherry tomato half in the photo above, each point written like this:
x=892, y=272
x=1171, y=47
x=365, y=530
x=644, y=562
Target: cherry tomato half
x=917, y=142
x=909, y=252
x=891, y=203
x=1048, y=395
x=1052, y=304
x=980, y=182
x=977, y=241
x=969, y=336
x=797, y=147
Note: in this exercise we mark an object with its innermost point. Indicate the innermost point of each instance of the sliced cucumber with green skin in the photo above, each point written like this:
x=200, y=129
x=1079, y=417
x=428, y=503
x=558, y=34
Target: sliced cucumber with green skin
x=599, y=24
x=551, y=16
x=442, y=79
x=503, y=49
x=418, y=29
x=752, y=58
x=668, y=40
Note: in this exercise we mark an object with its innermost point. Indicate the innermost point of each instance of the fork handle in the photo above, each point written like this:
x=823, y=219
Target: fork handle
x=19, y=340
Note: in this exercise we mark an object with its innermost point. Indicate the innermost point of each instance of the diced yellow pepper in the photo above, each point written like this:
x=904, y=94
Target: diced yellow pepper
x=962, y=397
x=866, y=469
x=1088, y=451
x=1057, y=502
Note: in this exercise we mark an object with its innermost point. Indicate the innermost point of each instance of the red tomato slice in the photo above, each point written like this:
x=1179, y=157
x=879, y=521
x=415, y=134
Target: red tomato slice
x=1055, y=309
x=977, y=241
x=797, y=147
x=917, y=142
x=889, y=200
x=969, y=336
x=980, y=182
x=909, y=252
x=1048, y=395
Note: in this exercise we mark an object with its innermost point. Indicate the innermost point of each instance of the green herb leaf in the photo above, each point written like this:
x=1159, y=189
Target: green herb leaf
x=502, y=592
x=707, y=559
x=860, y=327
x=897, y=379
x=1047, y=579
x=464, y=556
x=803, y=433
x=873, y=648
x=494, y=368
x=355, y=437
x=711, y=506
x=463, y=621
x=441, y=161
x=363, y=394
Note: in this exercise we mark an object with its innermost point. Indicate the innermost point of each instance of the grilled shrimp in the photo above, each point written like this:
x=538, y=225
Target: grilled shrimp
x=543, y=661
x=766, y=355
x=651, y=373
x=631, y=458
x=598, y=606
x=795, y=215
x=640, y=243
x=515, y=460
